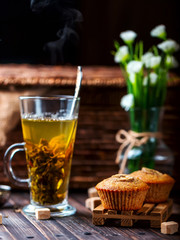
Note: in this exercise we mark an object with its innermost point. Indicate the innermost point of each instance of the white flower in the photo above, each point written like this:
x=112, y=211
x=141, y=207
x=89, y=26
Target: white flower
x=132, y=77
x=127, y=101
x=145, y=81
x=128, y=36
x=152, y=79
x=134, y=66
x=151, y=61
x=159, y=31
x=147, y=56
x=169, y=46
x=146, y=59
x=171, y=62
x=122, y=54
x=155, y=61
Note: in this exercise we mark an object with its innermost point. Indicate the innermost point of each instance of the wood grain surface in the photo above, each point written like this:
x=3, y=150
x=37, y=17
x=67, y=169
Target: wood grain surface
x=18, y=226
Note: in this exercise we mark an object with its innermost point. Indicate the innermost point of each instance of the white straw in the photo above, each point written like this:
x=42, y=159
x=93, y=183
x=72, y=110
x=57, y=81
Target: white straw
x=77, y=88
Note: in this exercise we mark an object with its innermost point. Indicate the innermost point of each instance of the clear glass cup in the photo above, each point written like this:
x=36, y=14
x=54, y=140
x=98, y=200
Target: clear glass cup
x=49, y=128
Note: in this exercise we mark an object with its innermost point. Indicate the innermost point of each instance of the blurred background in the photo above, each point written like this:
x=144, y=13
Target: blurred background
x=76, y=31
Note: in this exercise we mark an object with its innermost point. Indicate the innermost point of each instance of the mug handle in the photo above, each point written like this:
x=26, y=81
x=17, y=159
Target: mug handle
x=8, y=156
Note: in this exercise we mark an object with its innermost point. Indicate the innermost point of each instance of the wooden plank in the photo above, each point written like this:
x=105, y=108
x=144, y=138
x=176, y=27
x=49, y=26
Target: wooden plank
x=102, y=233
x=146, y=208
x=5, y=234
x=83, y=218
x=99, y=209
x=105, y=232
x=133, y=217
x=51, y=229
x=80, y=225
x=159, y=211
x=55, y=229
x=127, y=222
x=80, y=228
x=110, y=212
x=158, y=214
x=168, y=211
x=98, y=221
x=20, y=227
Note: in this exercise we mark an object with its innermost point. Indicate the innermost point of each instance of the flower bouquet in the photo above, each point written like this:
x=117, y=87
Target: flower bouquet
x=146, y=75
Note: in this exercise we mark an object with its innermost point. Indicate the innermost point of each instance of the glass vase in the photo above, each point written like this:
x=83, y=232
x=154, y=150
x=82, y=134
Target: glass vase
x=154, y=153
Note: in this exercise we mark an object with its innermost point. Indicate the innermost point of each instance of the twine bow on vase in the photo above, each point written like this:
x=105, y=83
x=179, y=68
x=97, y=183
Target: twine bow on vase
x=128, y=140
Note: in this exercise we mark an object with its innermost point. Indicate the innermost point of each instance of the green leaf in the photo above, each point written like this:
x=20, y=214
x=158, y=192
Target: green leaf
x=140, y=49
x=113, y=53
x=116, y=45
x=136, y=51
x=155, y=50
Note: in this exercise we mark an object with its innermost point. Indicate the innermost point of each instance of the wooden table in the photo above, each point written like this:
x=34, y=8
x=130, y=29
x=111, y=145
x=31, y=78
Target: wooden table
x=18, y=226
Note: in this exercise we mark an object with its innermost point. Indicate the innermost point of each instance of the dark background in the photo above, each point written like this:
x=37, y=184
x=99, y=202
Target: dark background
x=78, y=32
x=82, y=32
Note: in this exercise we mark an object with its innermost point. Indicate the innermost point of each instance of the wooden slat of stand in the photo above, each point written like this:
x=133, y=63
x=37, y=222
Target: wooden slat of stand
x=99, y=220
x=162, y=212
x=110, y=212
x=127, y=222
x=156, y=214
x=99, y=209
x=146, y=208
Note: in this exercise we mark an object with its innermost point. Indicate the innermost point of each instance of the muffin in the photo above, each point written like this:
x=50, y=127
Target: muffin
x=160, y=184
x=122, y=192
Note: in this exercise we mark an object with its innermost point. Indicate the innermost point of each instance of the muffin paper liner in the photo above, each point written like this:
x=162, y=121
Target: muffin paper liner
x=122, y=200
x=158, y=192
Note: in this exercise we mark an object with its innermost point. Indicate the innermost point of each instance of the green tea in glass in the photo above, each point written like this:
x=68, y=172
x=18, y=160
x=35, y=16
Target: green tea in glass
x=49, y=129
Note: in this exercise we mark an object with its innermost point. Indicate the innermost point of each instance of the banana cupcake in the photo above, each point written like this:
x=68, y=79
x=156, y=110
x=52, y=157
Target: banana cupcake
x=122, y=192
x=160, y=184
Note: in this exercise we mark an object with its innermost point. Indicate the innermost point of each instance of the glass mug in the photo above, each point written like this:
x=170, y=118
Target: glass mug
x=49, y=127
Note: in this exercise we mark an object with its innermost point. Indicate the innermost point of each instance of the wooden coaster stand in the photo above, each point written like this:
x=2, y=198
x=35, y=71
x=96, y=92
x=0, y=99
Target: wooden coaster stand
x=154, y=213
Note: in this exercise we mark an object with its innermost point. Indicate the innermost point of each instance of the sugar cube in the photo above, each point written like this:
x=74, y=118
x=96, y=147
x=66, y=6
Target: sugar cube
x=42, y=213
x=92, y=192
x=169, y=227
x=92, y=202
